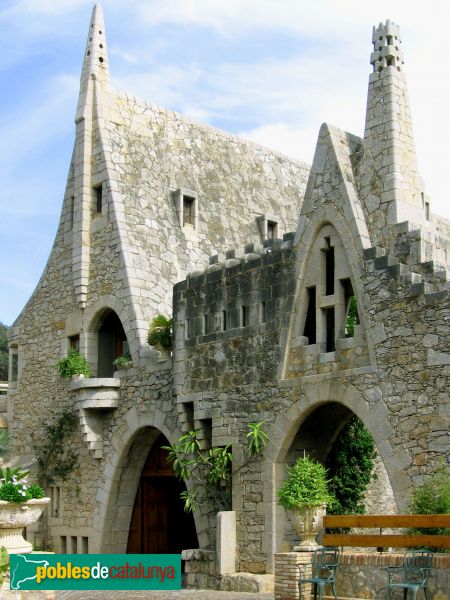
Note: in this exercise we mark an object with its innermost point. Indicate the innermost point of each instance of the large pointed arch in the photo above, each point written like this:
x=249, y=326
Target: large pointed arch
x=282, y=432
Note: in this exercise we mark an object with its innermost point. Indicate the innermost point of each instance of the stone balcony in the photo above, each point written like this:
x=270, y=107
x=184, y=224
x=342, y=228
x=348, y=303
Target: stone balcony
x=94, y=399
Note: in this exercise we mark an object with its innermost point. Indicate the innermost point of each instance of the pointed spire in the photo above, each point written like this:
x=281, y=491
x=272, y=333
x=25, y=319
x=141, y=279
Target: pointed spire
x=95, y=64
x=390, y=174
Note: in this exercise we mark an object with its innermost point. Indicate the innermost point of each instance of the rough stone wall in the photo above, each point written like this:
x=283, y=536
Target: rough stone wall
x=231, y=376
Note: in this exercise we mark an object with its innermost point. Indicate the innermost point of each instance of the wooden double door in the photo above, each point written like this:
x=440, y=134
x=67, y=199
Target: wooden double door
x=159, y=524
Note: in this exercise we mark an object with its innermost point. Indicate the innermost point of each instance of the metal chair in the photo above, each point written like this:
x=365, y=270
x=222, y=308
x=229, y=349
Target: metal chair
x=323, y=571
x=412, y=574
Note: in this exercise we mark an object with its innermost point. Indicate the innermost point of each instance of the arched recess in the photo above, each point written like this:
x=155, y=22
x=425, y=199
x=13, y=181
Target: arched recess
x=131, y=445
x=105, y=340
x=159, y=524
x=313, y=424
x=351, y=244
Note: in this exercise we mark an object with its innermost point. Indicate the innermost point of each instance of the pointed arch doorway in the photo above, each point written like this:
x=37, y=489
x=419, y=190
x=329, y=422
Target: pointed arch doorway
x=159, y=524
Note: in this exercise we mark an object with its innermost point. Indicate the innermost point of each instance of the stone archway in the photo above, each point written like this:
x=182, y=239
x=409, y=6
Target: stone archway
x=158, y=523
x=131, y=444
x=344, y=401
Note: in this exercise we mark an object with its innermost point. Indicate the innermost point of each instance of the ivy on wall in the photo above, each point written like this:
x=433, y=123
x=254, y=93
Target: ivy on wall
x=350, y=464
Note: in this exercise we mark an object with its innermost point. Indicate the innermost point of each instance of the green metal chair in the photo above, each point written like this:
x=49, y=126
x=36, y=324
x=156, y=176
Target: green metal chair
x=412, y=574
x=323, y=571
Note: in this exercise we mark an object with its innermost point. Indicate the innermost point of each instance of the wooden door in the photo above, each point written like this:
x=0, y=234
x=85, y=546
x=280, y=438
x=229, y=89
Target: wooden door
x=158, y=523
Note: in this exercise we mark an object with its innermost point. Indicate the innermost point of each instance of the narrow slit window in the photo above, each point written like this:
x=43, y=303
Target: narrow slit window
x=263, y=312
x=206, y=430
x=329, y=329
x=98, y=199
x=310, y=322
x=224, y=320
x=84, y=545
x=14, y=364
x=71, y=211
x=205, y=324
x=63, y=544
x=329, y=268
x=73, y=544
x=244, y=316
x=188, y=408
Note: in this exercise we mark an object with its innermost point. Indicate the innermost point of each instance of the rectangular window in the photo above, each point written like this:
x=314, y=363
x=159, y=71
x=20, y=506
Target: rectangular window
x=73, y=544
x=98, y=199
x=329, y=328
x=74, y=342
x=188, y=210
x=63, y=544
x=84, y=545
x=309, y=330
x=14, y=364
x=272, y=230
x=206, y=429
x=188, y=409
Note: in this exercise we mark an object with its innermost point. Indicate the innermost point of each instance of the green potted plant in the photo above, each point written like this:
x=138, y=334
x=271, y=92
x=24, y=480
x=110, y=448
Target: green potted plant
x=20, y=505
x=160, y=333
x=74, y=364
x=123, y=362
x=305, y=493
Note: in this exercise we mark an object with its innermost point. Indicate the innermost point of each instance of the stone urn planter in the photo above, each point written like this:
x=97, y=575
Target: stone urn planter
x=305, y=495
x=307, y=523
x=13, y=518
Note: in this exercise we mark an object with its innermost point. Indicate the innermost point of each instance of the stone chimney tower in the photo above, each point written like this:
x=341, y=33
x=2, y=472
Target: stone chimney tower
x=391, y=187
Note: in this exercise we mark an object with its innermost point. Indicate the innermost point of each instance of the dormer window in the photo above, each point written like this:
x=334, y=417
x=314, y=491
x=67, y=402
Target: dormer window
x=272, y=227
x=188, y=210
x=186, y=204
x=269, y=228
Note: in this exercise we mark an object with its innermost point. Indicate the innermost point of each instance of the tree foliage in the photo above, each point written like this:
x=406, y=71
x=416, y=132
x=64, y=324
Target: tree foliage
x=350, y=465
x=210, y=470
x=4, y=354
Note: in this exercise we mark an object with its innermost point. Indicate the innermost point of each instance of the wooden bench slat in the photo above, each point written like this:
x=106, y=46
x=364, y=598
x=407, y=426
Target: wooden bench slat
x=386, y=541
x=386, y=521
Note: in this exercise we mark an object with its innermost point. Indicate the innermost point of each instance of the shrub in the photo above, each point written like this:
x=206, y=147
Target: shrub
x=432, y=498
x=74, y=364
x=306, y=485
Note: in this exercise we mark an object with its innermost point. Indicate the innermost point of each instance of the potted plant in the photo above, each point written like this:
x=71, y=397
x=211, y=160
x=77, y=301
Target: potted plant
x=305, y=493
x=20, y=505
x=123, y=362
x=74, y=364
x=160, y=333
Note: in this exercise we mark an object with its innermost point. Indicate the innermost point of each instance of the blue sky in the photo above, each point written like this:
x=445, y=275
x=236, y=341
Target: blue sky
x=268, y=70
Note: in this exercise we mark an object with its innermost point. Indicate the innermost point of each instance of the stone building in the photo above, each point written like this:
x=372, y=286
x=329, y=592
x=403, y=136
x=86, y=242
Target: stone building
x=262, y=255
